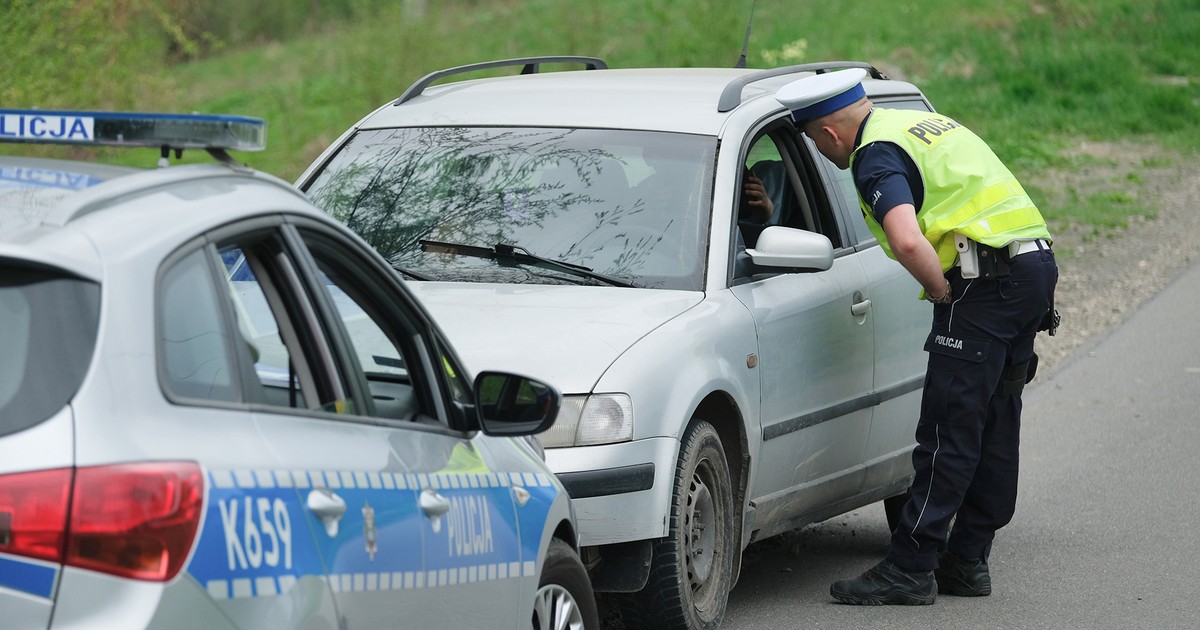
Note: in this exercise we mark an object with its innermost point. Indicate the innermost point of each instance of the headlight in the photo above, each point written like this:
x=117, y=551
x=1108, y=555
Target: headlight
x=588, y=420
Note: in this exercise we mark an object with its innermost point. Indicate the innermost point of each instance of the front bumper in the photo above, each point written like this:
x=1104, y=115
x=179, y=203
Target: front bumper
x=621, y=492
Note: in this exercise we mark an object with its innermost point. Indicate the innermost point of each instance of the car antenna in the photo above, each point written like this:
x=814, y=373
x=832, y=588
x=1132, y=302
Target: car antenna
x=746, y=42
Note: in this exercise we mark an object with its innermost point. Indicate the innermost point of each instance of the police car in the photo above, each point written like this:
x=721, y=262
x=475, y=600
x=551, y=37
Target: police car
x=728, y=373
x=219, y=408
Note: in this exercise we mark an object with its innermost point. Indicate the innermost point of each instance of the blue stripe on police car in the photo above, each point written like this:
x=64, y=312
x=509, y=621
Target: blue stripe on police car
x=252, y=541
x=255, y=544
x=27, y=575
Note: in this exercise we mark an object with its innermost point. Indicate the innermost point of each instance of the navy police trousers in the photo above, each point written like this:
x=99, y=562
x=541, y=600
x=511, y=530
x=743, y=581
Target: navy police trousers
x=969, y=430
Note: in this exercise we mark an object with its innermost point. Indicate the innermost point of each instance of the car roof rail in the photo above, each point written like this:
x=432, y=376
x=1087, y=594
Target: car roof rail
x=731, y=96
x=530, y=65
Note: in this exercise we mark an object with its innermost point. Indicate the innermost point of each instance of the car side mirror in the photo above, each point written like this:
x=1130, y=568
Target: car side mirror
x=511, y=405
x=780, y=246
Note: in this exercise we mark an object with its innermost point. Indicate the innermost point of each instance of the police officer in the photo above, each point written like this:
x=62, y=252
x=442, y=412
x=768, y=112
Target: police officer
x=943, y=205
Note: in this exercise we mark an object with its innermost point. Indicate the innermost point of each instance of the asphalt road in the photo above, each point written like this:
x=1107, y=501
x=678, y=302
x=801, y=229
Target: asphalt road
x=1106, y=531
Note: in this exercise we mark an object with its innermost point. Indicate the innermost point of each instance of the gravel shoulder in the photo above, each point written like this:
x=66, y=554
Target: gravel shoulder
x=1104, y=279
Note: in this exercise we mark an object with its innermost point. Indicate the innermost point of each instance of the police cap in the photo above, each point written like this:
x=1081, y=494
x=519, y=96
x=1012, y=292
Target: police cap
x=815, y=96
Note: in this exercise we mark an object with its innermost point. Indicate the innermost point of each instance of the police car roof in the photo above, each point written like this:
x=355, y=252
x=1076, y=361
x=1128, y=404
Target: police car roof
x=46, y=204
x=33, y=189
x=680, y=100
x=102, y=211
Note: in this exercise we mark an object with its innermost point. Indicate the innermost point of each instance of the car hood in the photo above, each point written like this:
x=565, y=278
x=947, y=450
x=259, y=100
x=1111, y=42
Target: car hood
x=564, y=335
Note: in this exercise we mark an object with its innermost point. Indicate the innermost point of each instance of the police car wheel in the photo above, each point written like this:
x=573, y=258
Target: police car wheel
x=564, y=597
x=692, y=569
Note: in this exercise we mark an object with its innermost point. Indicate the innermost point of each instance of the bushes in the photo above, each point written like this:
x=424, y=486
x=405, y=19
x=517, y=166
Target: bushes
x=65, y=54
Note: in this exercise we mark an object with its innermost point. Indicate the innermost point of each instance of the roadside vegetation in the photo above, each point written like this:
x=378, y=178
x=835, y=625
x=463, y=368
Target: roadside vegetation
x=1035, y=78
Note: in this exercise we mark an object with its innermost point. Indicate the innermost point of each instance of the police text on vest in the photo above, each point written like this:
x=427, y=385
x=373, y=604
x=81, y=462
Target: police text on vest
x=932, y=127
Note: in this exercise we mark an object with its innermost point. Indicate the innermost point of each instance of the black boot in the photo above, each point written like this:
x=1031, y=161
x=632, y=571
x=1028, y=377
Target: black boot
x=886, y=583
x=964, y=577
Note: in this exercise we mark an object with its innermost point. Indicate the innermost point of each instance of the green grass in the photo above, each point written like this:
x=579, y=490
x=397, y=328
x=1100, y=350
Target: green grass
x=1032, y=77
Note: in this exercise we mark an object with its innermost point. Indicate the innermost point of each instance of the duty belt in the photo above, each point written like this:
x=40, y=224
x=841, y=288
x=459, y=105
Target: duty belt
x=1016, y=248
x=977, y=260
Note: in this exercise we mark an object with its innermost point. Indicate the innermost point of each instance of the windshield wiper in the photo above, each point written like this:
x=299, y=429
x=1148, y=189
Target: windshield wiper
x=518, y=254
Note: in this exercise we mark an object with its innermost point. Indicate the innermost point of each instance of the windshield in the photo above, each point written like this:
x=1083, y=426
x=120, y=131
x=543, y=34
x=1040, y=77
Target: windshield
x=627, y=204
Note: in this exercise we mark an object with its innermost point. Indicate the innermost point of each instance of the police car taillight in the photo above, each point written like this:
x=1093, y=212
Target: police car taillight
x=33, y=513
x=133, y=520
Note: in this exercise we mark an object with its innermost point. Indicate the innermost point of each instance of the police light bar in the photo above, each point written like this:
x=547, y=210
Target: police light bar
x=174, y=131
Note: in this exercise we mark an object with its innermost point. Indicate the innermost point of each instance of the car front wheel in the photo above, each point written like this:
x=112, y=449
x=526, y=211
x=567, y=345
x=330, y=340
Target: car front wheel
x=564, y=599
x=692, y=569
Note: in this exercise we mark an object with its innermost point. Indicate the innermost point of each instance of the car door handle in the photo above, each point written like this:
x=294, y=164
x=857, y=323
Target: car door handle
x=520, y=495
x=858, y=309
x=435, y=507
x=328, y=507
x=434, y=504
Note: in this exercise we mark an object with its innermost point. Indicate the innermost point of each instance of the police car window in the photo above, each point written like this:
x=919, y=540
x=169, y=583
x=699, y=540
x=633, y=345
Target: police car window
x=274, y=372
x=284, y=359
x=235, y=327
x=196, y=348
x=380, y=340
x=48, y=325
x=374, y=350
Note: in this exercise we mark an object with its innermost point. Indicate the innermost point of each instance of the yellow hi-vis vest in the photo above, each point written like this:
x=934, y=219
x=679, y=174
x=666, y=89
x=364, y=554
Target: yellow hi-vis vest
x=967, y=189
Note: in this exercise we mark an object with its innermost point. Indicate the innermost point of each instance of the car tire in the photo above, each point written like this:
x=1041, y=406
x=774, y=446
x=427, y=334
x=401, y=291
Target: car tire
x=692, y=568
x=564, y=599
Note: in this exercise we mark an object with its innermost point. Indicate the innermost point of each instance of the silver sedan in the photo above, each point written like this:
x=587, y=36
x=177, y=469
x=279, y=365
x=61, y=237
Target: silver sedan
x=738, y=356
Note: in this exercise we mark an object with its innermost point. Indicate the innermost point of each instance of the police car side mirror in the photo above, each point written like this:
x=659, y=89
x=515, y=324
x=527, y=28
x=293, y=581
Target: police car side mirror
x=780, y=246
x=510, y=405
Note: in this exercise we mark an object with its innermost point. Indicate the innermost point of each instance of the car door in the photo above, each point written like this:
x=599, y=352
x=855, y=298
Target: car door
x=816, y=348
x=255, y=559
x=458, y=493
x=901, y=325
x=353, y=481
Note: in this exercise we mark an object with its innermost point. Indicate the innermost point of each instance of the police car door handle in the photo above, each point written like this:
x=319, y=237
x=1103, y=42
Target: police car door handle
x=328, y=507
x=434, y=504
